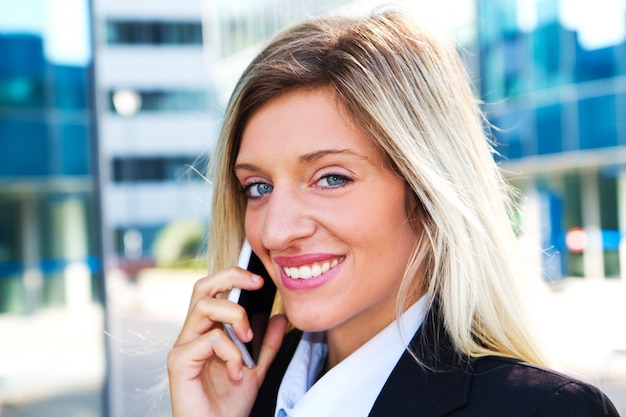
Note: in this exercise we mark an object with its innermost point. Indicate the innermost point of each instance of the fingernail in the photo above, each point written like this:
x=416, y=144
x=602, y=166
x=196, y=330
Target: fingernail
x=250, y=334
x=256, y=278
x=240, y=375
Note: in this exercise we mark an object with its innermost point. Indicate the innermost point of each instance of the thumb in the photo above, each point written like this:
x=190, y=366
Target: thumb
x=271, y=343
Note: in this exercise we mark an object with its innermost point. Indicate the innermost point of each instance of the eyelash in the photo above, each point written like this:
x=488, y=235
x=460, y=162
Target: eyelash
x=346, y=180
x=245, y=189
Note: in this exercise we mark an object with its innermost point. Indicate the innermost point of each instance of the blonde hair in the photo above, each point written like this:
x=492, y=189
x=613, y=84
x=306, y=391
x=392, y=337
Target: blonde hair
x=410, y=93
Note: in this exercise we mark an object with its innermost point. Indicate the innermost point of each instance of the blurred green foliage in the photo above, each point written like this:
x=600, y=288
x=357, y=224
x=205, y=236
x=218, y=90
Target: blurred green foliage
x=181, y=244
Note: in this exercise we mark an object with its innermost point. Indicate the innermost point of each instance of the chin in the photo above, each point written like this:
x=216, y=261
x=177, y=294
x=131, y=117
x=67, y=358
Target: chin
x=308, y=321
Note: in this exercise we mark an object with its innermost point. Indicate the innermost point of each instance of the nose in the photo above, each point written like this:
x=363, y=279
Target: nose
x=286, y=220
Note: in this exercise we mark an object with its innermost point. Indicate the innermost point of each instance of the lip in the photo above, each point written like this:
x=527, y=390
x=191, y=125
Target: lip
x=295, y=284
x=305, y=259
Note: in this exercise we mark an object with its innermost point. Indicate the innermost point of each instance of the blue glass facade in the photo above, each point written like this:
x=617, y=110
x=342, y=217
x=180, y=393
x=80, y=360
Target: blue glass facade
x=541, y=80
x=45, y=118
x=51, y=287
x=47, y=175
x=557, y=100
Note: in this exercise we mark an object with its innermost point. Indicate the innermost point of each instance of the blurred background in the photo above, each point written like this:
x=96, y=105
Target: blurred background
x=108, y=113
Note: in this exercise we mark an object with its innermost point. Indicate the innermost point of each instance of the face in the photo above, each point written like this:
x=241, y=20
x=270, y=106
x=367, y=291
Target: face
x=324, y=213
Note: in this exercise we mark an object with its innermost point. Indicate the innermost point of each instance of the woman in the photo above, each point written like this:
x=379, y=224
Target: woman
x=353, y=158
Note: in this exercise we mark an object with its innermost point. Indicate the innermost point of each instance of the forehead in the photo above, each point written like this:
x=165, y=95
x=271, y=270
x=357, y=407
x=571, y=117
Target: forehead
x=303, y=120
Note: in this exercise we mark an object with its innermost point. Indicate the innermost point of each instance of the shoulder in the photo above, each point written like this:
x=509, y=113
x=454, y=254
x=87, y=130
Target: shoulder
x=537, y=390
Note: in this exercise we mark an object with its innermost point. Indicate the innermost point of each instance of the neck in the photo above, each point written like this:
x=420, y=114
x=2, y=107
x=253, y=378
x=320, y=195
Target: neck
x=347, y=337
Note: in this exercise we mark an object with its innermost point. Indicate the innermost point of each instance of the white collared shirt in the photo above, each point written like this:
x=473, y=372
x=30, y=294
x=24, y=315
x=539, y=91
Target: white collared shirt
x=351, y=387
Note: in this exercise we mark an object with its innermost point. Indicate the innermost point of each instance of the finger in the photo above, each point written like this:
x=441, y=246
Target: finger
x=223, y=281
x=188, y=361
x=199, y=316
x=207, y=313
x=271, y=343
x=227, y=352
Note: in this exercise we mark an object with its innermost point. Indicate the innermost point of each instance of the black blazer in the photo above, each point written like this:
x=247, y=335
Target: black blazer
x=485, y=387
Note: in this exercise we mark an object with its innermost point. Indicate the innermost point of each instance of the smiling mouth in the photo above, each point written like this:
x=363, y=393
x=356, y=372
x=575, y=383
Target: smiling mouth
x=313, y=270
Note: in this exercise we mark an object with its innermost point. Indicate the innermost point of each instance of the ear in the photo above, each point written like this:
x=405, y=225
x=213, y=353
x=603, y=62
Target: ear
x=413, y=206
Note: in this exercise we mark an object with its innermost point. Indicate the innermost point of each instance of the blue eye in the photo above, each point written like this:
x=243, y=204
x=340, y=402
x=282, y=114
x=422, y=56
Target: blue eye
x=333, y=180
x=258, y=189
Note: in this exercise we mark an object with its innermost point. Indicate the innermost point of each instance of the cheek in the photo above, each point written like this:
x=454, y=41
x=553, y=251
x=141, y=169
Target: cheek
x=253, y=226
x=254, y=229
x=384, y=226
x=368, y=214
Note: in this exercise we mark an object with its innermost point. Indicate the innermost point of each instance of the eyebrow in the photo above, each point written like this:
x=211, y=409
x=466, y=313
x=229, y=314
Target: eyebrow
x=313, y=156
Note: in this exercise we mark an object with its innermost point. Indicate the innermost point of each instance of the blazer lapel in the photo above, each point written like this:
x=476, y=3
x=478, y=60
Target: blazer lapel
x=435, y=388
x=412, y=390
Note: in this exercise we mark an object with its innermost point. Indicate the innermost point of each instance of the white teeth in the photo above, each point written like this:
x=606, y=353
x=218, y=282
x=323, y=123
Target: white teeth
x=310, y=271
x=305, y=272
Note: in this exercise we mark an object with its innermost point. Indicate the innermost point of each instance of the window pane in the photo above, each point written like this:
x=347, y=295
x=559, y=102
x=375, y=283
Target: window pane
x=597, y=122
x=153, y=33
x=549, y=135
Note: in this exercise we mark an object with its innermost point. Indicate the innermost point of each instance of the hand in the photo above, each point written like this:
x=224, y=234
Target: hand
x=206, y=372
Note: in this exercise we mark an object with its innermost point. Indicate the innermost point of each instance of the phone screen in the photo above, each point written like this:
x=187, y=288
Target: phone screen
x=258, y=305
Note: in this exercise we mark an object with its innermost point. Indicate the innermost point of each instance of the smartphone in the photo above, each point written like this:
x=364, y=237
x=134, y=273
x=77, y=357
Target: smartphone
x=258, y=305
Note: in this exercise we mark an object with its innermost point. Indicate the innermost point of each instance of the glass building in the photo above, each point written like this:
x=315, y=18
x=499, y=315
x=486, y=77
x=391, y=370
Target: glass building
x=553, y=78
x=156, y=121
x=50, y=282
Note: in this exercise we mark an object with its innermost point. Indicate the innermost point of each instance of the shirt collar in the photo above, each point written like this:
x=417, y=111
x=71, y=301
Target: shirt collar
x=352, y=386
